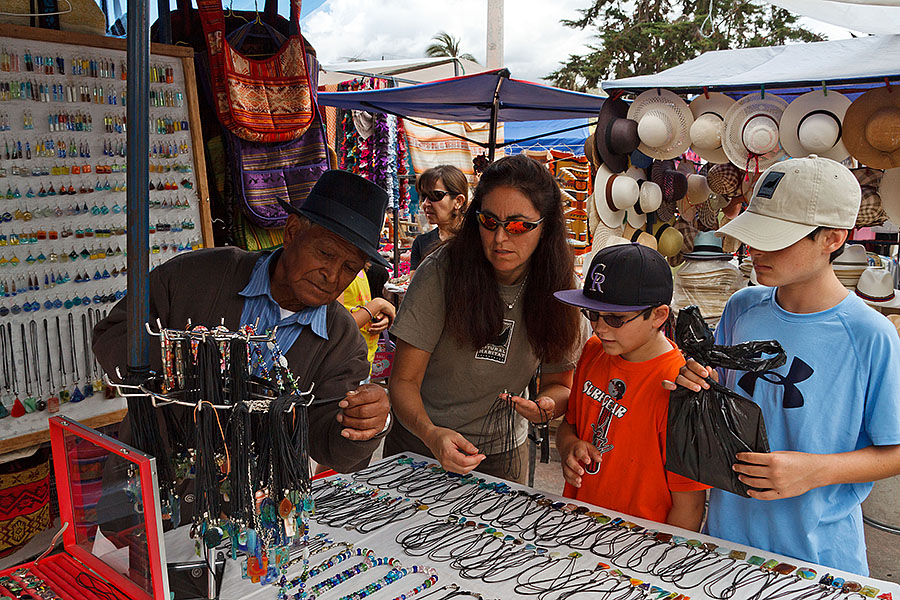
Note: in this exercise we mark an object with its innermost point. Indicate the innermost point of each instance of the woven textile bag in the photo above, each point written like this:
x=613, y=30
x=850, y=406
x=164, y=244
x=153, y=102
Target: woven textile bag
x=268, y=100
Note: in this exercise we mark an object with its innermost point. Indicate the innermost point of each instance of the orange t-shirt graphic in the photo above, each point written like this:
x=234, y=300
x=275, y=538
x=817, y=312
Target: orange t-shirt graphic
x=622, y=409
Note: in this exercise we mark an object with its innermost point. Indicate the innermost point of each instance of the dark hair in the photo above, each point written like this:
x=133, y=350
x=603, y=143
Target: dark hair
x=553, y=327
x=454, y=180
x=812, y=235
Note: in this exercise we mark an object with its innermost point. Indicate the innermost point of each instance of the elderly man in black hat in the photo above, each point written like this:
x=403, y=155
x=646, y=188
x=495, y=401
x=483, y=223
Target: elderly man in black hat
x=326, y=243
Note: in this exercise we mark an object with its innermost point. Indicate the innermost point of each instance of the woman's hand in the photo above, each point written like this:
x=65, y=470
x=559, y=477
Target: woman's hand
x=455, y=453
x=692, y=376
x=383, y=313
x=536, y=411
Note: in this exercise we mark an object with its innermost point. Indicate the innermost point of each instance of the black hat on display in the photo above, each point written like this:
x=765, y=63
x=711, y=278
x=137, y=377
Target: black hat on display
x=347, y=205
x=623, y=278
x=616, y=136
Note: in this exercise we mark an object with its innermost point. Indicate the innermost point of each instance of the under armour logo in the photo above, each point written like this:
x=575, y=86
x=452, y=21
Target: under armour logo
x=597, y=278
x=793, y=397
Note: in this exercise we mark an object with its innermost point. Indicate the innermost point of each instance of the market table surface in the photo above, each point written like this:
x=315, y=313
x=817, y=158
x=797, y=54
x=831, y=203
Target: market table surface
x=179, y=547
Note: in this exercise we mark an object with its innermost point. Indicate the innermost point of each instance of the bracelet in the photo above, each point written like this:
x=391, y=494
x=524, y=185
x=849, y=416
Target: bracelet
x=371, y=316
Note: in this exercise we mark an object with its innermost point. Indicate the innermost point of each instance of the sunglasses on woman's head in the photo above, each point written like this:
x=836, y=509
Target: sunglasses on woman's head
x=512, y=227
x=614, y=321
x=435, y=195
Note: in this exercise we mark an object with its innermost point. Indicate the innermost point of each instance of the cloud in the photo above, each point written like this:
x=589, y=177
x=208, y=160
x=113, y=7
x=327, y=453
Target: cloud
x=535, y=42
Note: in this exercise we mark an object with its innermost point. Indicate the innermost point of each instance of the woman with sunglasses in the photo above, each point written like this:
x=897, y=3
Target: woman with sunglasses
x=443, y=192
x=479, y=319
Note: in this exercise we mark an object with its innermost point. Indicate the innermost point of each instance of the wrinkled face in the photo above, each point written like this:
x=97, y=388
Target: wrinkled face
x=438, y=206
x=315, y=267
x=509, y=254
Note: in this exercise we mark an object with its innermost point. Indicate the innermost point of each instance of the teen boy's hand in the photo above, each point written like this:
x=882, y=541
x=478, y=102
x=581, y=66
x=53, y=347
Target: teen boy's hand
x=692, y=376
x=779, y=474
x=574, y=453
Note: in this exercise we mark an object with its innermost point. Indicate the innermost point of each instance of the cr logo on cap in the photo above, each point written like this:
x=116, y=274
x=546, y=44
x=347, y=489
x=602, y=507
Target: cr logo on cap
x=597, y=278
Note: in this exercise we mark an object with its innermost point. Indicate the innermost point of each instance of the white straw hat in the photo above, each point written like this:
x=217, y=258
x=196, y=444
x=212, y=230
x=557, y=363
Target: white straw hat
x=811, y=124
x=649, y=199
x=751, y=131
x=709, y=125
x=613, y=193
x=664, y=123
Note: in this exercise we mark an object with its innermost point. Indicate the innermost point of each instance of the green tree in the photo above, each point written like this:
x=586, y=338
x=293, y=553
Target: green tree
x=641, y=37
x=446, y=45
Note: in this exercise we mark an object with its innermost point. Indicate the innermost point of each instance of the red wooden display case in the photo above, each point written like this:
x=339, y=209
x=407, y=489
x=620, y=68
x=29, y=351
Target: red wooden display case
x=109, y=496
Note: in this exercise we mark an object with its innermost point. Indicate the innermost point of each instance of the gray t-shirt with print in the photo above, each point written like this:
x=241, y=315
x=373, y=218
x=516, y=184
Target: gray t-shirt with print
x=461, y=383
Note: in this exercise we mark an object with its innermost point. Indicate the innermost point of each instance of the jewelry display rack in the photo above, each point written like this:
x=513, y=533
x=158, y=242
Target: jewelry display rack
x=62, y=210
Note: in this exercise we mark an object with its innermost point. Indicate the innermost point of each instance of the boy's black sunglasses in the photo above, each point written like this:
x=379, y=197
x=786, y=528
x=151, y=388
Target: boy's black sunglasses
x=614, y=321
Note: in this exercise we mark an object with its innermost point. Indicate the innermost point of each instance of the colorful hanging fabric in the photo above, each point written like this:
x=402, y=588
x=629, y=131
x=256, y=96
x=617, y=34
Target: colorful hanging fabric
x=268, y=100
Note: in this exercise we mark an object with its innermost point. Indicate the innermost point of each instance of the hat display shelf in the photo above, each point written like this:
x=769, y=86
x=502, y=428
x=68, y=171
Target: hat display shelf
x=63, y=173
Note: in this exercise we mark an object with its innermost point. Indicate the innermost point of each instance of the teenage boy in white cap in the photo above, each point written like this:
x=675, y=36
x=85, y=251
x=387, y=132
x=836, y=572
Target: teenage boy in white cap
x=613, y=440
x=832, y=411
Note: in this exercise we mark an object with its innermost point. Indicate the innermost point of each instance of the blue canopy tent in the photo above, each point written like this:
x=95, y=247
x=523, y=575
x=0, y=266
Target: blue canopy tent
x=531, y=135
x=489, y=97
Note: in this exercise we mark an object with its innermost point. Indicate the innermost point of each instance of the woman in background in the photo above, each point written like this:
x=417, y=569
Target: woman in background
x=443, y=192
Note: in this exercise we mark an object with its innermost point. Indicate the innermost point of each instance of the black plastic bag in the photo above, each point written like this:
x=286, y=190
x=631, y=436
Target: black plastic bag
x=706, y=429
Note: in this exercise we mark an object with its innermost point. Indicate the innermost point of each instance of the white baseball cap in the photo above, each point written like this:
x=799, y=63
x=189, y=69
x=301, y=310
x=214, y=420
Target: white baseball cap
x=794, y=197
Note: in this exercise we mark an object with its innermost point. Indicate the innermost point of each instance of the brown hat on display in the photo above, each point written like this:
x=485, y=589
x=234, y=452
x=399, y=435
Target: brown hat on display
x=751, y=131
x=616, y=136
x=639, y=237
x=725, y=179
x=673, y=184
x=872, y=128
x=709, y=125
x=664, y=122
x=589, y=150
x=698, y=190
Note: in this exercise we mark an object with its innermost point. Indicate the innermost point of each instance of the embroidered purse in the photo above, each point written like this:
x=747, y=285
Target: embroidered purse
x=267, y=100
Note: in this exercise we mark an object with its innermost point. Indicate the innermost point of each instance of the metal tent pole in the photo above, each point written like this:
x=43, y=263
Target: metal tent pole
x=138, y=208
x=503, y=74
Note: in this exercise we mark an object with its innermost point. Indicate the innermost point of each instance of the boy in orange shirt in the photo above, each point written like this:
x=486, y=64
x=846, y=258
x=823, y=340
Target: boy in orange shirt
x=613, y=439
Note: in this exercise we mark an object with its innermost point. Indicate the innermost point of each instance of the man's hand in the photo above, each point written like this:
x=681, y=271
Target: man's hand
x=383, y=313
x=578, y=453
x=536, y=411
x=364, y=412
x=692, y=376
x=455, y=453
x=779, y=474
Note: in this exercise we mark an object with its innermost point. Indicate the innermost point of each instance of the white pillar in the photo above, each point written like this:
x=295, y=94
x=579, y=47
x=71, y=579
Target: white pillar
x=495, y=34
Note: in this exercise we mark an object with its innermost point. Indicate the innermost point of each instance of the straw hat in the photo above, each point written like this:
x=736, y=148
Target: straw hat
x=664, y=122
x=707, y=216
x=709, y=124
x=686, y=210
x=876, y=288
x=725, y=179
x=811, y=124
x=733, y=208
x=669, y=240
x=895, y=320
x=589, y=150
x=889, y=190
x=872, y=128
x=751, y=131
x=613, y=193
x=616, y=136
x=640, y=237
x=649, y=199
x=850, y=265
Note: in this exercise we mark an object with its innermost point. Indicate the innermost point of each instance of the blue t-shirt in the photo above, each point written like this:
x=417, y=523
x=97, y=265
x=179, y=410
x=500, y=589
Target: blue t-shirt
x=839, y=391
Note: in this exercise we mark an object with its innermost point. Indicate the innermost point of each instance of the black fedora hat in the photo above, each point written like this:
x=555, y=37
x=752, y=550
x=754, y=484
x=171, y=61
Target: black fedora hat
x=347, y=205
x=616, y=135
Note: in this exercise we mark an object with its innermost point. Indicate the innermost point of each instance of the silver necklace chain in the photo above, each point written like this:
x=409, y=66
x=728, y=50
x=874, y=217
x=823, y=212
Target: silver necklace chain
x=518, y=292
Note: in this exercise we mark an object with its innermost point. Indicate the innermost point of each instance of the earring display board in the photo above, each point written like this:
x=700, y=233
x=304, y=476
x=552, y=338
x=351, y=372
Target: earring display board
x=63, y=201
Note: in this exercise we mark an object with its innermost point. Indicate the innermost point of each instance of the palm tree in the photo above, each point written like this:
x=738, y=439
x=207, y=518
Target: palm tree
x=446, y=45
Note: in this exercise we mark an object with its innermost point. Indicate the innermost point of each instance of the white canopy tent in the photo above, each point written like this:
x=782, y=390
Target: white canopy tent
x=855, y=63
x=867, y=16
